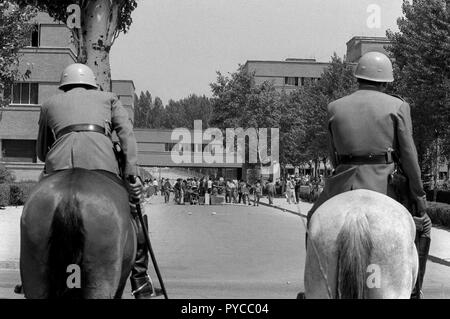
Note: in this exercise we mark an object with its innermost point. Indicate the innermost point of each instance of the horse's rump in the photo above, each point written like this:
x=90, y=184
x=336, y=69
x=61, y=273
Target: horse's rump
x=360, y=245
x=76, y=218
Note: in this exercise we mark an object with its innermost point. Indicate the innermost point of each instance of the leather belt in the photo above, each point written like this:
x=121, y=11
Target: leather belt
x=82, y=128
x=364, y=159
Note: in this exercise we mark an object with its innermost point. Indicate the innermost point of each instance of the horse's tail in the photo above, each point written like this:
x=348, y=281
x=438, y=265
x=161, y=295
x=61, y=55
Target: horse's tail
x=66, y=244
x=354, y=246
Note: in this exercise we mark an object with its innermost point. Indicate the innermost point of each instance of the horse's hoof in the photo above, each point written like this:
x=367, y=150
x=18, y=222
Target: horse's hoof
x=18, y=289
x=301, y=295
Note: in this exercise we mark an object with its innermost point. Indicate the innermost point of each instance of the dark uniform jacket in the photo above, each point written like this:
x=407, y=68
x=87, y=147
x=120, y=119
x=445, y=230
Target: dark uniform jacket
x=89, y=150
x=370, y=122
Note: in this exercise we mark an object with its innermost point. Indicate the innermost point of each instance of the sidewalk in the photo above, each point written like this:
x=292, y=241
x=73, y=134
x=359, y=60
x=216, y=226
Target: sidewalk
x=440, y=238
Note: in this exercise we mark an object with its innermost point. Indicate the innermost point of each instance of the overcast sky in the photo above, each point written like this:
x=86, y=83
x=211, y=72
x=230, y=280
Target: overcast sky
x=175, y=47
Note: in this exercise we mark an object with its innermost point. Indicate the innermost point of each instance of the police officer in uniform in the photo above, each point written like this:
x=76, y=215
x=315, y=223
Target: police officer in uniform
x=370, y=133
x=75, y=131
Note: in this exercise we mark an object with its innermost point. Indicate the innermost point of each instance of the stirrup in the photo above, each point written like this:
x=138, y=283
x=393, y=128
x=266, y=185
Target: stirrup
x=148, y=282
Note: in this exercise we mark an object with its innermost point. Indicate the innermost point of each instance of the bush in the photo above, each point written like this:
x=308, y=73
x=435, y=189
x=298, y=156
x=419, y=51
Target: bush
x=25, y=190
x=4, y=194
x=5, y=175
x=15, y=194
x=439, y=214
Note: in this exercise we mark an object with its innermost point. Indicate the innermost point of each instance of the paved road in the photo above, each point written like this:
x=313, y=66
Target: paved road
x=238, y=252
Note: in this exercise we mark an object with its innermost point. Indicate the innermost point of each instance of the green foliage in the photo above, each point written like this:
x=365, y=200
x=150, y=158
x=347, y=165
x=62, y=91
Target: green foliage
x=182, y=113
x=422, y=68
x=4, y=195
x=5, y=175
x=15, y=31
x=15, y=194
x=439, y=214
x=57, y=9
x=230, y=97
x=20, y=191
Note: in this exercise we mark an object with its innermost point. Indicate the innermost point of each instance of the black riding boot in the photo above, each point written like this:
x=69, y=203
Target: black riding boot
x=141, y=285
x=423, y=247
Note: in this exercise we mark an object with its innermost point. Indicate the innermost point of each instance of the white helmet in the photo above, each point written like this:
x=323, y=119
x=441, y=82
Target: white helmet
x=376, y=67
x=78, y=73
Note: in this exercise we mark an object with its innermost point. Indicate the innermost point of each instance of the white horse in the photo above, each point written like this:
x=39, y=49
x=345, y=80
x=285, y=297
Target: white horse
x=361, y=245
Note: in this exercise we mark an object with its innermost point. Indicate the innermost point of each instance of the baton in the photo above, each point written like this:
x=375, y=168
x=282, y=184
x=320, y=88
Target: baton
x=147, y=240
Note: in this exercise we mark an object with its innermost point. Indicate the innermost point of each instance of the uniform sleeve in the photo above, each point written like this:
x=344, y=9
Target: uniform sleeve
x=407, y=151
x=124, y=129
x=45, y=136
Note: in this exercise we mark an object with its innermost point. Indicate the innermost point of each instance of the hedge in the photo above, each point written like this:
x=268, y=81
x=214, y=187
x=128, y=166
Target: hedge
x=439, y=214
x=15, y=194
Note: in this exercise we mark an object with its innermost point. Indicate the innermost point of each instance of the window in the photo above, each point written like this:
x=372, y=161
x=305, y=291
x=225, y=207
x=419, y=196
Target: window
x=25, y=93
x=291, y=81
x=34, y=36
x=19, y=151
x=169, y=146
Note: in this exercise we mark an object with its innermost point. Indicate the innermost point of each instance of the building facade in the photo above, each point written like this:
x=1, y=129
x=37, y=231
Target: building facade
x=286, y=75
x=179, y=149
x=358, y=46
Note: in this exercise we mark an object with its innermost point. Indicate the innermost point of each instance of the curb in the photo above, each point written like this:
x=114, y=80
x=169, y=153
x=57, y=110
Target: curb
x=284, y=210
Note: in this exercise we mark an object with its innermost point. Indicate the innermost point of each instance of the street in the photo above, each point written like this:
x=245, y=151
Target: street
x=229, y=251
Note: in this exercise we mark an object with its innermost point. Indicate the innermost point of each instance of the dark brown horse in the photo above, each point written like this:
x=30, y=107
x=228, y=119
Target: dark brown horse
x=76, y=217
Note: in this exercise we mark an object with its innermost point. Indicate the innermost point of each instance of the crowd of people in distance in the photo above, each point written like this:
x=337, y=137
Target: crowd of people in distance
x=199, y=191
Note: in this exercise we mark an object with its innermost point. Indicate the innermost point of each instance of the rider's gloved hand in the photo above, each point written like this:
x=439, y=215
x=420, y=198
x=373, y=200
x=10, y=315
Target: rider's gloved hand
x=421, y=205
x=135, y=187
x=419, y=221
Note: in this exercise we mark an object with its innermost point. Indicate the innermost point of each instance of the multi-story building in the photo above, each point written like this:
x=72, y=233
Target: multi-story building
x=358, y=46
x=286, y=75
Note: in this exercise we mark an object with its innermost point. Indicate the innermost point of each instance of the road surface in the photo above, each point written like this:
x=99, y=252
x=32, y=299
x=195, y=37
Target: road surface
x=230, y=251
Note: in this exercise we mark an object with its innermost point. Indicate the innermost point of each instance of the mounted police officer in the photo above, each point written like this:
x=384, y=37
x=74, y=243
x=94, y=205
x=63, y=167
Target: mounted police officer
x=371, y=141
x=75, y=131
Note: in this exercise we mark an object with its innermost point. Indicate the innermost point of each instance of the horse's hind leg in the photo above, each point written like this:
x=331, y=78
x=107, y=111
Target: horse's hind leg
x=33, y=254
x=102, y=282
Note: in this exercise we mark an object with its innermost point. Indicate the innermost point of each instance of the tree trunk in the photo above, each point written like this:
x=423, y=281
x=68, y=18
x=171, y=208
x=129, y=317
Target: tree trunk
x=98, y=29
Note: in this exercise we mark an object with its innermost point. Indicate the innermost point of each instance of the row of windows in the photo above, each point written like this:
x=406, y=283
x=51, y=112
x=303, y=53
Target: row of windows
x=298, y=81
x=26, y=93
x=168, y=147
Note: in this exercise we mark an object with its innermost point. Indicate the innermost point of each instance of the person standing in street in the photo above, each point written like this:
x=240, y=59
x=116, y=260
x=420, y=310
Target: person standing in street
x=270, y=187
x=257, y=193
x=290, y=188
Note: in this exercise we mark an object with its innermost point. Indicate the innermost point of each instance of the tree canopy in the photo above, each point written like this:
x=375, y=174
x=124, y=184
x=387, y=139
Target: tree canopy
x=149, y=113
x=421, y=50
